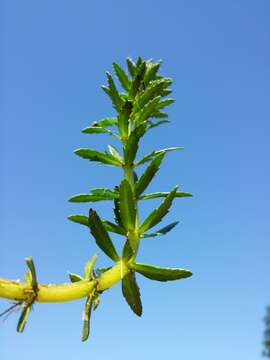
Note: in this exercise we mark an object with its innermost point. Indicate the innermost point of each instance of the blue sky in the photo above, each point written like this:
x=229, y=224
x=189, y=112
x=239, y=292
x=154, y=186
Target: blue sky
x=54, y=58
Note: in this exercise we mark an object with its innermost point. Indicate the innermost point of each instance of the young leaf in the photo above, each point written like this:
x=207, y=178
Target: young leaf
x=123, y=119
x=94, y=155
x=131, y=145
x=113, y=93
x=137, y=79
x=127, y=205
x=79, y=219
x=131, y=66
x=75, y=277
x=147, y=111
x=162, y=231
x=151, y=71
x=178, y=194
x=148, y=175
x=115, y=153
x=152, y=124
x=157, y=214
x=131, y=293
x=101, y=235
x=151, y=155
x=32, y=273
x=122, y=76
x=89, y=266
x=160, y=274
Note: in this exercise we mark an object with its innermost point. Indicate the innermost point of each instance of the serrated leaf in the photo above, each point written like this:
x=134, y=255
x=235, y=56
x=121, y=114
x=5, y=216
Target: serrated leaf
x=131, y=66
x=124, y=118
x=151, y=71
x=75, y=277
x=131, y=145
x=131, y=293
x=23, y=317
x=127, y=205
x=79, y=219
x=157, y=214
x=151, y=155
x=147, y=111
x=137, y=80
x=101, y=235
x=94, y=155
x=148, y=175
x=89, y=266
x=178, y=194
x=113, y=93
x=161, y=231
x=159, y=273
x=122, y=76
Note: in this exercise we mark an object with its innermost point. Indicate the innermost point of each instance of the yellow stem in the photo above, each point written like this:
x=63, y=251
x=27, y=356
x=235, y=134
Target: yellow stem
x=15, y=290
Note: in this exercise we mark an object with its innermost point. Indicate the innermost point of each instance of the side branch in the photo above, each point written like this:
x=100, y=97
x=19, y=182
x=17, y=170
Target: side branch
x=15, y=290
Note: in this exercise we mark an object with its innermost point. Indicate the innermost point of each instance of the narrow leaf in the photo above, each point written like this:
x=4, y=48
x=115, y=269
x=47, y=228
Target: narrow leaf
x=79, y=219
x=90, y=198
x=23, y=318
x=75, y=277
x=147, y=111
x=89, y=266
x=86, y=317
x=148, y=175
x=122, y=76
x=157, y=214
x=131, y=66
x=160, y=274
x=113, y=93
x=152, y=124
x=131, y=145
x=178, y=194
x=32, y=272
x=101, y=235
x=131, y=293
x=137, y=81
x=124, y=118
x=127, y=205
x=151, y=71
x=151, y=155
x=111, y=227
x=94, y=155
x=115, y=153
x=162, y=231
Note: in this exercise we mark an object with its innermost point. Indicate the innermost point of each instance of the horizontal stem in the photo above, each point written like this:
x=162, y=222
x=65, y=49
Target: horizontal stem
x=15, y=290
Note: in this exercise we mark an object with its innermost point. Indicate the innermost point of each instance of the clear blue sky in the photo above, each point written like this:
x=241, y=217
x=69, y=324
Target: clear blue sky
x=54, y=55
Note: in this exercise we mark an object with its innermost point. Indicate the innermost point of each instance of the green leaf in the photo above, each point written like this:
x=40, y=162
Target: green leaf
x=152, y=124
x=32, y=273
x=162, y=231
x=148, y=175
x=178, y=194
x=86, y=317
x=111, y=227
x=151, y=71
x=137, y=81
x=124, y=119
x=113, y=93
x=79, y=219
x=131, y=145
x=115, y=153
x=89, y=266
x=116, y=210
x=75, y=277
x=147, y=111
x=101, y=235
x=96, y=301
x=101, y=126
x=122, y=76
x=160, y=274
x=28, y=278
x=89, y=198
x=94, y=155
x=131, y=293
x=131, y=66
x=127, y=205
x=24, y=316
x=151, y=155
x=157, y=214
